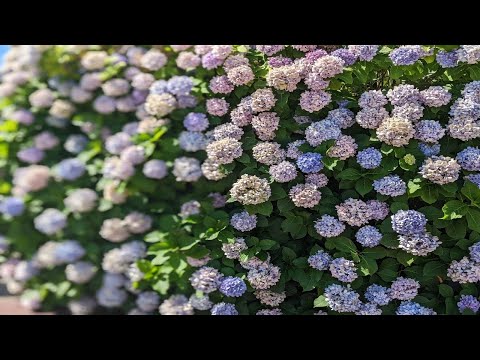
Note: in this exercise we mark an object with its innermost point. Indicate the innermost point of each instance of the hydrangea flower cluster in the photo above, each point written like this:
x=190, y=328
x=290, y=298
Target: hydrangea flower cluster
x=230, y=179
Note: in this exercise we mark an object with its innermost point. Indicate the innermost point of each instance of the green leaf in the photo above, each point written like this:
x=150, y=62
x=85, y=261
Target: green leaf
x=244, y=159
x=429, y=194
x=451, y=306
x=288, y=254
x=454, y=209
x=390, y=240
x=474, y=72
x=368, y=266
x=344, y=244
x=285, y=205
x=396, y=72
x=300, y=262
x=456, y=229
x=435, y=268
x=265, y=208
x=405, y=258
x=431, y=212
x=363, y=186
x=294, y=225
x=413, y=186
x=445, y=290
x=267, y=244
x=471, y=191
x=473, y=219
x=377, y=252
x=321, y=301
x=397, y=205
x=277, y=192
x=349, y=174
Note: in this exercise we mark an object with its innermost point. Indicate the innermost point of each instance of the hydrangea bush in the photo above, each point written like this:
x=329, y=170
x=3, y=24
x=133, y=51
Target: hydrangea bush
x=234, y=180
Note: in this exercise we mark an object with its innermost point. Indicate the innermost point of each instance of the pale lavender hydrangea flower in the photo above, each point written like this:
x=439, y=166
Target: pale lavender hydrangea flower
x=343, y=270
x=404, y=288
x=320, y=260
x=243, y=221
x=419, y=244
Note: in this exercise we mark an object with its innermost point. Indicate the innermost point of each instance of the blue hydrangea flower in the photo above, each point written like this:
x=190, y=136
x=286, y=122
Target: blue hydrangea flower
x=224, y=309
x=468, y=302
x=475, y=252
x=429, y=150
x=406, y=55
x=368, y=309
x=323, y=130
x=413, y=308
x=368, y=236
x=370, y=158
x=12, y=206
x=377, y=294
x=70, y=169
x=469, y=158
x=474, y=178
x=310, y=163
x=320, y=261
x=341, y=298
x=343, y=270
x=408, y=222
x=328, y=226
x=158, y=87
x=390, y=185
x=180, y=85
x=232, y=286
x=447, y=59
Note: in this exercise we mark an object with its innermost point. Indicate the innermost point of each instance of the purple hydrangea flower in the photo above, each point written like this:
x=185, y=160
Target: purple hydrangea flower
x=196, y=122
x=180, y=85
x=468, y=302
x=243, y=221
x=408, y=222
x=346, y=55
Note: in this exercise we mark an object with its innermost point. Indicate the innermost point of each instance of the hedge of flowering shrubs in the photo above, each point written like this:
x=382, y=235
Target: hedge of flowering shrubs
x=235, y=180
